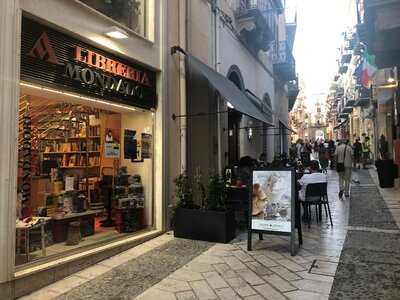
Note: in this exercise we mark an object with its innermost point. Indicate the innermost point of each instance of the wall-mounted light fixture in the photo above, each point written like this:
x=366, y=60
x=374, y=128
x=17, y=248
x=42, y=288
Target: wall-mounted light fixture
x=116, y=33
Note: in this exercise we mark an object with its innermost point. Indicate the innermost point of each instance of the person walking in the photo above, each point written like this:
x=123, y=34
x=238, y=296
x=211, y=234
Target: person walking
x=366, y=150
x=344, y=164
x=383, y=147
x=357, y=148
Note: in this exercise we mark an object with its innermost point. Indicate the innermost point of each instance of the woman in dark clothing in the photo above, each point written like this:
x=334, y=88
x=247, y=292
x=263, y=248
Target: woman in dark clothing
x=357, y=148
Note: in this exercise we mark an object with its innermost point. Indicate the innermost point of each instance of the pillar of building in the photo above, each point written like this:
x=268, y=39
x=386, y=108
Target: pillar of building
x=9, y=91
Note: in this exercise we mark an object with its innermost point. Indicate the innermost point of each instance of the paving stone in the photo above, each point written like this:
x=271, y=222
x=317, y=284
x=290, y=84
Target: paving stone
x=290, y=265
x=209, y=259
x=67, y=284
x=155, y=294
x=258, y=268
x=185, y=274
x=242, y=256
x=319, y=287
x=285, y=273
x=250, y=277
x=254, y=297
x=93, y=271
x=234, y=263
x=225, y=271
x=188, y=295
x=199, y=267
x=173, y=285
x=226, y=247
x=311, y=276
x=203, y=290
x=227, y=294
x=297, y=258
x=241, y=287
x=279, y=283
x=44, y=293
x=215, y=280
x=267, y=291
x=265, y=261
x=303, y=295
x=324, y=268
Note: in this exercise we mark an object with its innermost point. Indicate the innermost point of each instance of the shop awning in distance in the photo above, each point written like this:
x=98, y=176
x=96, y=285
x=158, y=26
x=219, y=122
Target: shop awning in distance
x=340, y=125
x=225, y=87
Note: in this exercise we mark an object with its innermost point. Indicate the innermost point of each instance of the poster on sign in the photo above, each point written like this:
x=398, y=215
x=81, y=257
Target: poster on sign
x=272, y=202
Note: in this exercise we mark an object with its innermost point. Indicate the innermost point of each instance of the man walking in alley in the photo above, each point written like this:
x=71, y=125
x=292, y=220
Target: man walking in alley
x=366, y=150
x=357, y=148
x=344, y=159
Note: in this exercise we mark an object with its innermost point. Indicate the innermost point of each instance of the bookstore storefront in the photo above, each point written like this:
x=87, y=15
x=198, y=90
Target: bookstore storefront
x=85, y=147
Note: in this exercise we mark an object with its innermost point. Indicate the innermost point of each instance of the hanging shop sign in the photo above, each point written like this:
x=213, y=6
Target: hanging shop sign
x=272, y=203
x=52, y=58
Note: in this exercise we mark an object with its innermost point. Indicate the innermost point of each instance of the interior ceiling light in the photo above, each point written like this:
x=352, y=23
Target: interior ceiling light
x=116, y=33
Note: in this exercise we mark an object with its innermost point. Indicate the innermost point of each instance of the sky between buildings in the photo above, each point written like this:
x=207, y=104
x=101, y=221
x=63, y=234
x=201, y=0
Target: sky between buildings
x=320, y=24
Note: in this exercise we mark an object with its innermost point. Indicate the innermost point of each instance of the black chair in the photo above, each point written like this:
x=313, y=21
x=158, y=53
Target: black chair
x=316, y=194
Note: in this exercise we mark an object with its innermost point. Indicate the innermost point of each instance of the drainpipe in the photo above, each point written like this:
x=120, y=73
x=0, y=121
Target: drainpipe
x=183, y=42
x=215, y=62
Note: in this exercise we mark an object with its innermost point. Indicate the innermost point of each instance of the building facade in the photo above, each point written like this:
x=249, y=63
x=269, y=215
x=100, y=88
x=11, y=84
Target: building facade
x=250, y=44
x=84, y=96
x=360, y=109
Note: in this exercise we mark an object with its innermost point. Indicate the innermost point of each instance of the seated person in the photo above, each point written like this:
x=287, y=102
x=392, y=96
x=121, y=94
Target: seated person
x=313, y=177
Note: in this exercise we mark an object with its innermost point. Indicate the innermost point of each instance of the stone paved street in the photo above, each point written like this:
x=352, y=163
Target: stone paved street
x=169, y=268
x=369, y=266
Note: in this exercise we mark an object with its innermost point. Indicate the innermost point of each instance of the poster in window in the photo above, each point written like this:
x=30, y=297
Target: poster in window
x=130, y=144
x=272, y=201
x=112, y=145
x=147, y=140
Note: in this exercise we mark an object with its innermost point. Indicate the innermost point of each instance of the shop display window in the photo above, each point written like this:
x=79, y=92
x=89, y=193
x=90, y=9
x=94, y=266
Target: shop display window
x=85, y=176
x=130, y=13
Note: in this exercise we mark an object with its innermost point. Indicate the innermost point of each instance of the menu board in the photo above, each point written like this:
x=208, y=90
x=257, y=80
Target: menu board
x=272, y=201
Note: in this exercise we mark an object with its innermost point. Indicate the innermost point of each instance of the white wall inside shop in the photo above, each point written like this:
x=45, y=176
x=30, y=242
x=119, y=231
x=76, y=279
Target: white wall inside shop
x=141, y=122
x=90, y=26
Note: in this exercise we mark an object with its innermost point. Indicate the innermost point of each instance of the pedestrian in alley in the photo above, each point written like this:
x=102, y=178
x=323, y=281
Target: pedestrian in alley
x=323, y=156
x=357, y=148
x=344, y=164
x=383, y=147
x=366, y=150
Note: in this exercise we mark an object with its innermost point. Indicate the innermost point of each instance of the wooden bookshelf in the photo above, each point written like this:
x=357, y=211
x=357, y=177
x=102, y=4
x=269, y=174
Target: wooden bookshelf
x=79, y=167
x=71, y=152
x=70, y=138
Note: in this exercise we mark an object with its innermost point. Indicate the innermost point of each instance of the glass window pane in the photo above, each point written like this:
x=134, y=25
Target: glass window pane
x=131, y=13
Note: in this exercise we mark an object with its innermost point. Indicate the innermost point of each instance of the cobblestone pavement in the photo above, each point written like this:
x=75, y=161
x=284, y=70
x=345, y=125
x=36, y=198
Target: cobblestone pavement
x=200, y=270
x=268, y=272
x=369, y=265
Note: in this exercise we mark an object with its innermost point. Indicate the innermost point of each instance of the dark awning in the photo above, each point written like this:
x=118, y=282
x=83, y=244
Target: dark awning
x=226, y=88
x=340, y=125
x=287, y=127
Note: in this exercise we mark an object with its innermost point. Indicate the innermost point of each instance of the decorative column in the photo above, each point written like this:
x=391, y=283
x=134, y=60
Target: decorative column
x=10, y=36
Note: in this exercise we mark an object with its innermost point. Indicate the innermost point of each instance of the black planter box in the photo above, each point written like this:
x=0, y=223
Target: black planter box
x=386, y=172
x=205, y=225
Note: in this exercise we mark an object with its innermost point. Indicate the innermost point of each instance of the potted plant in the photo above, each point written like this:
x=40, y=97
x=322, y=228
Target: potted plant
x=210, y=220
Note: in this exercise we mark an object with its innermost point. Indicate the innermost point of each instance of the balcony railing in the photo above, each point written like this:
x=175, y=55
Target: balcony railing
x=284, y=62
x=257, y=22
x=293, y=92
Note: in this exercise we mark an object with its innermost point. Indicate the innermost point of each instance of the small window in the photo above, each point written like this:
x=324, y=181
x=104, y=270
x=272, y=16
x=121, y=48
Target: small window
x=130, y=13
x=267, y=101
